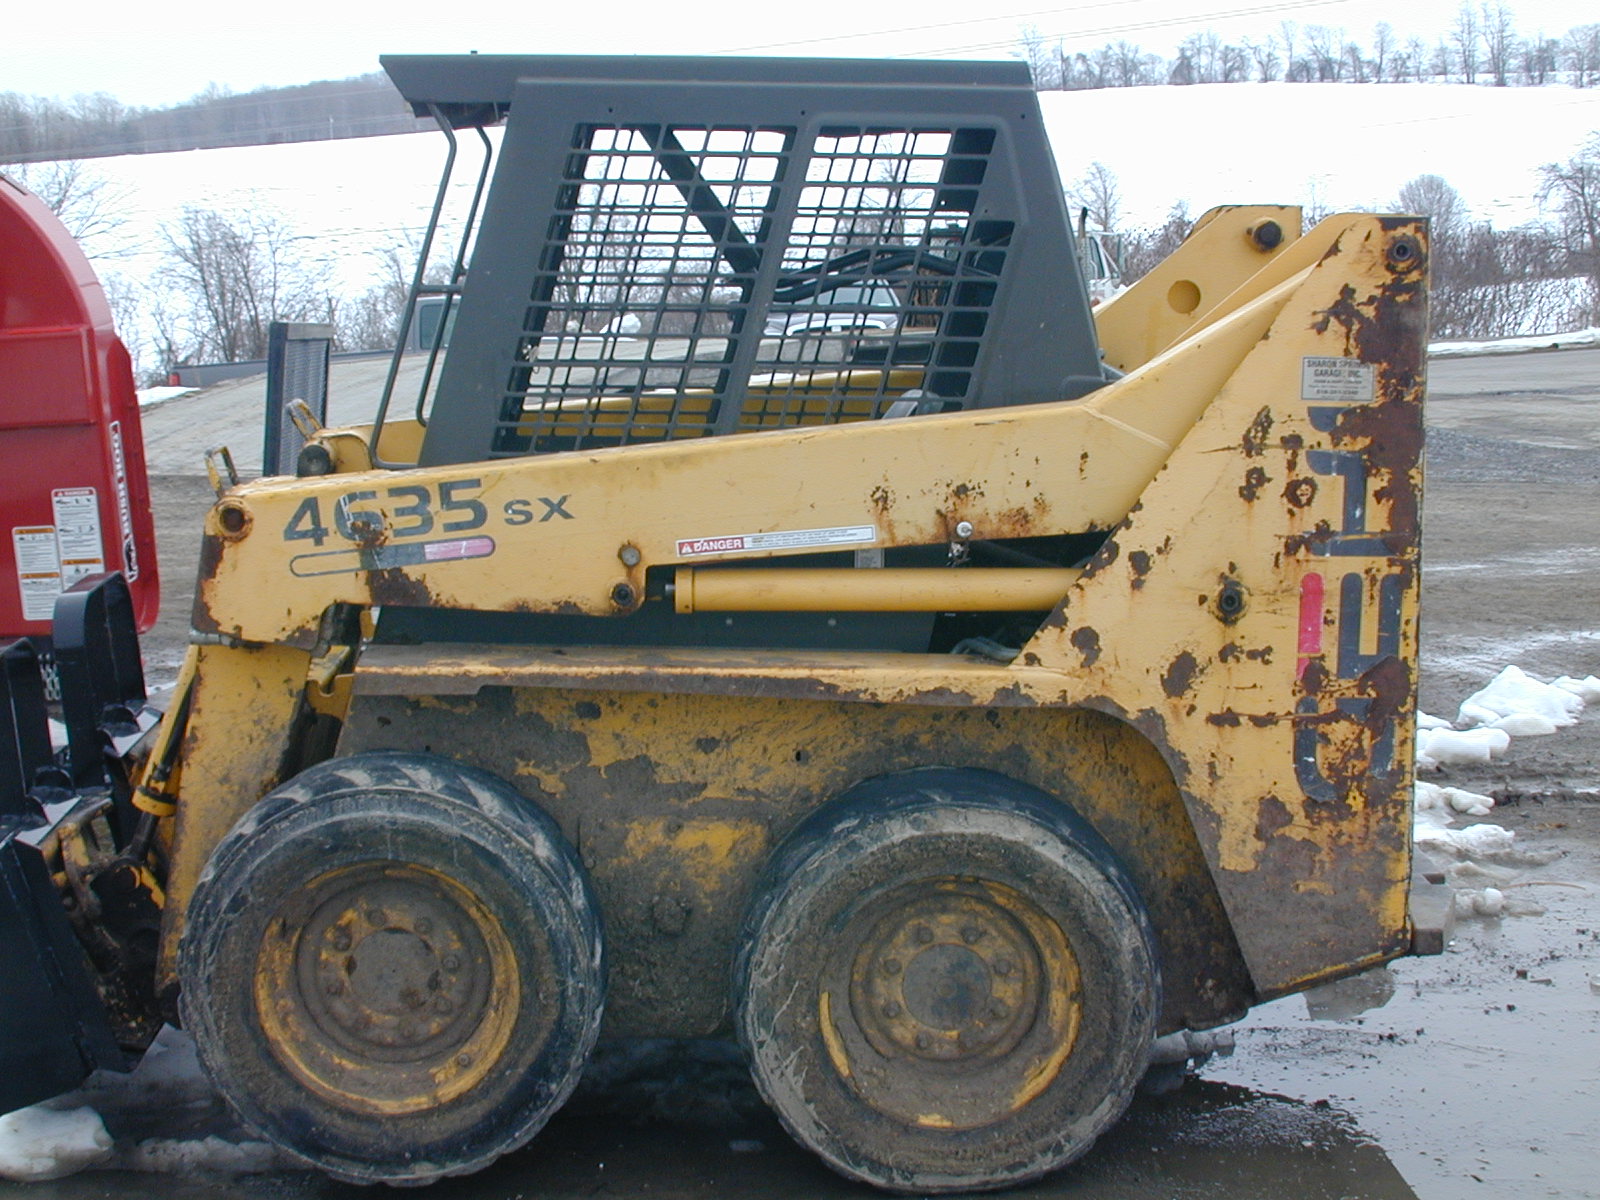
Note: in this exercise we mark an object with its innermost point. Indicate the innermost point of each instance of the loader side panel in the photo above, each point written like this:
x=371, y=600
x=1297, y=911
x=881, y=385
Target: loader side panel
x=675, y=802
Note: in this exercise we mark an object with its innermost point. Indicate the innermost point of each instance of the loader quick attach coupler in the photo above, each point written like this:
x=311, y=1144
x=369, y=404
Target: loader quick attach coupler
x=79, y=896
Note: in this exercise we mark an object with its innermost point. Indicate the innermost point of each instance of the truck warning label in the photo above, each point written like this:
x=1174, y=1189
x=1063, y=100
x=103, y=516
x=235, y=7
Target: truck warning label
x=51, y=558
x=38, y=570
x=77, y=513
x=785, y=539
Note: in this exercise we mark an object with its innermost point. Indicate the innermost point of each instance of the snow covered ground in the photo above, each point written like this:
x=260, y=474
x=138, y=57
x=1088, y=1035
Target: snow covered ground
x=1330, y=145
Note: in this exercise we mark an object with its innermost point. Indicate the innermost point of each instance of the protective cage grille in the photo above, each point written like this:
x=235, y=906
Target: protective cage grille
x=699, y=279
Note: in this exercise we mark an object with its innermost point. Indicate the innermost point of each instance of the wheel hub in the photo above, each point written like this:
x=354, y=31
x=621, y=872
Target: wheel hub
x=386, y=988
x=946, y=977
x=393, y=971
x=964, y=1002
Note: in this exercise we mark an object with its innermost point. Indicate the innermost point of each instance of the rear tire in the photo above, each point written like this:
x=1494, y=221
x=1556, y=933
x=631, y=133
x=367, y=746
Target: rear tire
x=947, y=983
x=392, y=968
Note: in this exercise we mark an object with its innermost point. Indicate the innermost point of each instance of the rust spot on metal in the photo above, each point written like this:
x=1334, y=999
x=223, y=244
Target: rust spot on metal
x=882, y=498
x=1292, y=442
x=1254, y=441
x=1262, y=655
x=1083, y=463
x=1087, y=642
x=1030, y=659
x=1180, y=675
x=1263, y=720
x=1140, y=562
x=1272, y=816
x=1255, y=479
x=391, y=585
x=1300, y=492
x=1228, y=653
x=1227, y=718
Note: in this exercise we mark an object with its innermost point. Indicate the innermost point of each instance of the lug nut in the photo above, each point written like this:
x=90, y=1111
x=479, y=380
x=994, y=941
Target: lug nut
x=451, y=962
x=971, y=934
x=922, y=934
x=891, y=966
x=341, y=940
x=1004, y=967
x=891, y=1010
x=423, y=926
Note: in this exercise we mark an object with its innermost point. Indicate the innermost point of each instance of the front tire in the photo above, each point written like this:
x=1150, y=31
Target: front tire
x=392, y=968
x=947, y=983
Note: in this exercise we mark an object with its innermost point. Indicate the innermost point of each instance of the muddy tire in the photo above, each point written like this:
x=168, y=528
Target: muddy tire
x=392, y=968
x=946, y=983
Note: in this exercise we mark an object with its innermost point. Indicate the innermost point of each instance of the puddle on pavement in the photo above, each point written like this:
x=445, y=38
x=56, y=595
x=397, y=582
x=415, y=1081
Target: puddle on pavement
x=1478, y=1070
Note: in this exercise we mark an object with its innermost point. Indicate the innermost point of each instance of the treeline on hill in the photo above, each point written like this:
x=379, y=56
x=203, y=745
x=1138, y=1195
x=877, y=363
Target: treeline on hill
x=1481, y=47
x=33, y=129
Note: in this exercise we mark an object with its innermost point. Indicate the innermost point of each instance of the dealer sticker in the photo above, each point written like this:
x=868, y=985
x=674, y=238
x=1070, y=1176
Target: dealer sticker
x=785, y=539
x=1337, y=380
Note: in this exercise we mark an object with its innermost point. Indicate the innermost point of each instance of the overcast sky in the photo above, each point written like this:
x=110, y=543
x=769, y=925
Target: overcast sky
x=164, y=51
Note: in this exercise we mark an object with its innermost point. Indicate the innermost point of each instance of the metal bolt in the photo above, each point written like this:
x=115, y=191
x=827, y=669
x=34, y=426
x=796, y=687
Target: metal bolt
x=341, y=940
x=963, y=529
x=463, y=1060
x=1004, y=967
x=622, y=595
x=891, y=966
x=451, y=962
x=1267, y=235
x=923, y=1041
x=423, y=925
x=377, y=916
x=971, y=934
x=891, y=1010
x=923, y=934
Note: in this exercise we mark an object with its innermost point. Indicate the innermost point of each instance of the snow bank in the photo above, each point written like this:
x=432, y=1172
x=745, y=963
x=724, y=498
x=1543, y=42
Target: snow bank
x=1479, y=842
x=1517, y=345
x=1515, y=694
x=41, y=1143
x=1433, y=798
x=1460, y=747
x=1513, y=704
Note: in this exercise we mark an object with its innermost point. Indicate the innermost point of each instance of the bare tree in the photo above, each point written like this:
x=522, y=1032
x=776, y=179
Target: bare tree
x=1264, y=55
x=1582, y=54
x=236, y=275
x=1383, y=51
x=1464, y=37
x=1500, y=43
x=1145, y=248
x=1572, y=188
x=1325, y=50
x=1097, y=190
x=87, y=204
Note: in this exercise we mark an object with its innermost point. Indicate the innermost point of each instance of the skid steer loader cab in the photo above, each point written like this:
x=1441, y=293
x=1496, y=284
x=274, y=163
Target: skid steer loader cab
x=947, y=709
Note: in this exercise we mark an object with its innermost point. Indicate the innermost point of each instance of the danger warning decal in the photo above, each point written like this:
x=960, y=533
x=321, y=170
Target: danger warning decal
x=786, y=539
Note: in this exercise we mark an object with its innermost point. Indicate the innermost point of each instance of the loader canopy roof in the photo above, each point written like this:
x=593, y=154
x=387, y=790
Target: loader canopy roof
x=688, y=247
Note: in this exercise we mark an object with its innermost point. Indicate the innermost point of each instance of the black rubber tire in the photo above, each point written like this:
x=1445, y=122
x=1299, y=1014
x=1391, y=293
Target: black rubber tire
x=393, y=968
x=879, y=998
